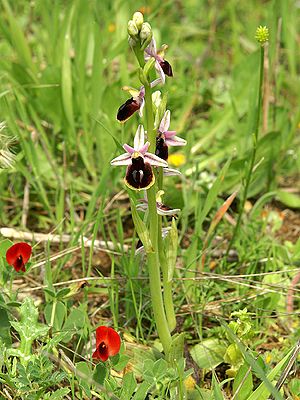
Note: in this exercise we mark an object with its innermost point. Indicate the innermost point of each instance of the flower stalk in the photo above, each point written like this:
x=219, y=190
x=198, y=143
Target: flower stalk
x=153, y=258
x=262, y=37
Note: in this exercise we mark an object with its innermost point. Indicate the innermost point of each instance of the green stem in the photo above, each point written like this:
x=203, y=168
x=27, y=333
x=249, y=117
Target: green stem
x=253, y=156
x=167, y=285
x=153, y=258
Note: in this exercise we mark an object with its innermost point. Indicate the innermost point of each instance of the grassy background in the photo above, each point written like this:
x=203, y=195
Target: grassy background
x=62, y=67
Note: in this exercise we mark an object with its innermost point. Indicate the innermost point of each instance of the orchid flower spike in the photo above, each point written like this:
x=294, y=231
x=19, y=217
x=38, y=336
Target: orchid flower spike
x=166, y=138
x=139, y=174
x=161, y=65
x=135, y=103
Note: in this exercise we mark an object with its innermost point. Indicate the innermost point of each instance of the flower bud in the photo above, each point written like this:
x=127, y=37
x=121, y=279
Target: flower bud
x=145, y=34
x=132, y=41
x=132, y=29
x=138, y=19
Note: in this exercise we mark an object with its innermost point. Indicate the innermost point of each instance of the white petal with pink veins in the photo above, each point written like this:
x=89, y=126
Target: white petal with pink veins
x=154, y=160
x=175, y=141
x=139, y=138
x=165, y=122
x=123, y=159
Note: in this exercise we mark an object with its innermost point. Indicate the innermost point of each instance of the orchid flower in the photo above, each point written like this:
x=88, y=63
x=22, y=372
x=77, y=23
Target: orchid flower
x=161, y=65
x=139, y=174
x=166, y=138
x=135, y=103
x=162, y=209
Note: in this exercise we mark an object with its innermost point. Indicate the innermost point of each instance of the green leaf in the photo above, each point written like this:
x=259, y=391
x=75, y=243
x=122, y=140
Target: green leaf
x=60, y=313
x=171, y=244
x=128, y=386
x=244, y=386
x=62, y=293
x=4, y=246
x=100, y=373
x=59, y=394
x=263, y=391
x=28, y=327
x=289, y=199
x=216, y=389
x=66, y=73
x=212, y=195
x=83, y=374
x=209, y=353
x=177, y=347
x=141, y=229
x=266, y=387
x=50, y=292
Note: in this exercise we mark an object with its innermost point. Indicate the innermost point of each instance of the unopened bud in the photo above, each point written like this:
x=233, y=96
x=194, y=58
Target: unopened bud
x=132, y=28
x=145, y=34
x=262, y=34
x=138, y=19
x=132, y=41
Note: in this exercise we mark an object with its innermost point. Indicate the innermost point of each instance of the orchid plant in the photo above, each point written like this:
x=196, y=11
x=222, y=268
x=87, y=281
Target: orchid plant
x=147, y=165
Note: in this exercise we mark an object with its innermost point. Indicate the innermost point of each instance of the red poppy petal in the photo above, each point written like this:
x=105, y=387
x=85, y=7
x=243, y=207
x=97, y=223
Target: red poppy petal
x=19, y=249
x=101, y=335
x=113, y=342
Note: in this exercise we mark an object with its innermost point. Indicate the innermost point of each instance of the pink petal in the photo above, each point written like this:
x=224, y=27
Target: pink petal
x=128, y=148
x=169, y=134
x=154, y=160
x=144, y=148
x=123, y=159
x=165, y=122
x=175, y=141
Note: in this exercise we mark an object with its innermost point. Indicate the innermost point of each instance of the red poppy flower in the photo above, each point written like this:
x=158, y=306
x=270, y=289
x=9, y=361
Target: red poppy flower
x=108, y=343
x=18, y=255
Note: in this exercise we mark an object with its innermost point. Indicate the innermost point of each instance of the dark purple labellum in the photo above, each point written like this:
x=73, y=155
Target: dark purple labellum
x=128, y=109
x=161, y=150
x=166, y=67
x=139, y=174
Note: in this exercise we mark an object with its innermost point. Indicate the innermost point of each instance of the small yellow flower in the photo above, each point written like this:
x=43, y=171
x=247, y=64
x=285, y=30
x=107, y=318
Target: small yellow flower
x=190, y=383
x=111, y=27
x=177, y=159
x=268, y=358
